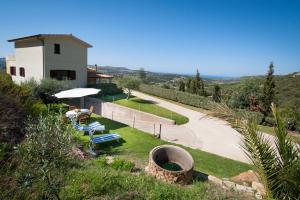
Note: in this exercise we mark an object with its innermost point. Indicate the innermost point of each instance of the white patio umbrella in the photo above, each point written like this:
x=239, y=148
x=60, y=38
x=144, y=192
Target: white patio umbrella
x=77, y=93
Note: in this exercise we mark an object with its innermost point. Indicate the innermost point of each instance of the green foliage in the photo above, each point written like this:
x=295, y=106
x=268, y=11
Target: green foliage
x=199, y=85
x=142, y=74
x=49, y=87
x=280, y=172
x=107, y=89
x=178, y=96
x=189, y=85
x=241, y=96
x=291, y=117
x=46, y=155
x=101, y=162
x=15, y=103
x=122, y=164
x=128, y=83
x=181, y=86
x=217, y=93
x=195, y=85
x=99, y=183
x=268, y=91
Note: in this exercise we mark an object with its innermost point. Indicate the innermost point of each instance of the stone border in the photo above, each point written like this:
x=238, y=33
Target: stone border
x=257, y=189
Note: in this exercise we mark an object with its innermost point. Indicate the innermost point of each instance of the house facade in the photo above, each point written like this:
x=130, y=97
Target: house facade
x=57, y=56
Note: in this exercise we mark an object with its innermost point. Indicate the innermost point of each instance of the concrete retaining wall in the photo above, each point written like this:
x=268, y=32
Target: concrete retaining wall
x=137, y=119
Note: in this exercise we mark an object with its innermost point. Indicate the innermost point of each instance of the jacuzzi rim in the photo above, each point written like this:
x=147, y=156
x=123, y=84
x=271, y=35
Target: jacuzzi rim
x=172, y=146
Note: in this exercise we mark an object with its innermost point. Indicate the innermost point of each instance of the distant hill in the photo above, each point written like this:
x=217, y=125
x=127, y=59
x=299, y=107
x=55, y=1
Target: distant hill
x=156, y=77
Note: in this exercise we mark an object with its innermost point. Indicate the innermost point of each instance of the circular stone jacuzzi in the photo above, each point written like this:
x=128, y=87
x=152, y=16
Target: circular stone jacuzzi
x=171, y=163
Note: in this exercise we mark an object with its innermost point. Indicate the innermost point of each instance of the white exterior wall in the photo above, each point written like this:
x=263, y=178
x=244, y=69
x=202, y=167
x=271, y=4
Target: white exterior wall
x=29, y=54
x=10, y=61
x=73, y=56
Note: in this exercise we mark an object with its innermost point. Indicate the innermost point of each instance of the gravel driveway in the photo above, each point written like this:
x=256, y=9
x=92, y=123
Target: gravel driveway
x=203, y=132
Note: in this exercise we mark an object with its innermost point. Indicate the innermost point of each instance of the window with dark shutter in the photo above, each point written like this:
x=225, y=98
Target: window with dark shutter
x=57, y=48
x=72, y=75
x=22, y=71
x=12, y=70
x=63, y=74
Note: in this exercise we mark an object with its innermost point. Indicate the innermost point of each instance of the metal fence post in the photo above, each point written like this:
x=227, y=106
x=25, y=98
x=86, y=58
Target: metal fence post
x=159, y=136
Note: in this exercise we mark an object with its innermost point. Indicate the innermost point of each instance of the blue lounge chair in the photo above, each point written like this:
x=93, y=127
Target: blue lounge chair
x=101, y=139
x=92, y=127
x=79, y=127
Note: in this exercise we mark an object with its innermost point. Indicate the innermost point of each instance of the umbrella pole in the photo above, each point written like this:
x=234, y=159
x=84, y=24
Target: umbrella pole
x=82, y=102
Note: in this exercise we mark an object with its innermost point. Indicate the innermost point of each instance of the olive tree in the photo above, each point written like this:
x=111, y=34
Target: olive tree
x=46, y=155
x=128, y=83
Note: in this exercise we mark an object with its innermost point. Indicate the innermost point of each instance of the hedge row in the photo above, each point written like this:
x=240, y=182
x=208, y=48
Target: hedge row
x=107, y=88
x=178, y=96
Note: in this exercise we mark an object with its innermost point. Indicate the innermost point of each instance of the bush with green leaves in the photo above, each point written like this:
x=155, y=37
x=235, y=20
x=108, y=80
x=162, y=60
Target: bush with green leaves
x=291, y=117
x=247, y=90
x=178, y=96
x=107, y=88
x=48, y=87
x=129, y=83
x=46, y=155
x=16, y=103
x=121, y=164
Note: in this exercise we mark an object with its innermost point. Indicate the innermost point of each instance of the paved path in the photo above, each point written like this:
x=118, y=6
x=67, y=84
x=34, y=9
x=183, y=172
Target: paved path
x=204, y=132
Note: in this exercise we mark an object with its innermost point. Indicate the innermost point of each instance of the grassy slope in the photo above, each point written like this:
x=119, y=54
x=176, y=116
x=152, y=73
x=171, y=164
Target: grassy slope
x=94, y=181
x=136, y=146
x=149, y=107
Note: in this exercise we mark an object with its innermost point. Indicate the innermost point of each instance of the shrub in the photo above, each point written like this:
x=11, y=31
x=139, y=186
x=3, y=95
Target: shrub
x=291, y=118
x=15, y=103
x=107, y=88
x=13, y=118
x=121, y=164
x=45, y=155
x=49, y=87
x=255, y=116
x=181, y=97
x=102, y=162
x=128, y=83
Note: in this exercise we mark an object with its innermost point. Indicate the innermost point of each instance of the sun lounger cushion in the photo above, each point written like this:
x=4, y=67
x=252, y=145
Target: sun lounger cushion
x=96, y=126
x=105, y=138
x=78, y=127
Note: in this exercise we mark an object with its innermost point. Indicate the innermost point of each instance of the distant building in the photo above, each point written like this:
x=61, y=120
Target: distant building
x=95, y=77
x=57, y=56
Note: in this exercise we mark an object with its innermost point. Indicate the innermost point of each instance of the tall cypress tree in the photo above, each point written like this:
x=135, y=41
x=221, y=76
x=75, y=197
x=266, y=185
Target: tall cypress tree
x=189, y=85
x=217, y=93
x=181, y=86
x=199, y=84
x=142, y=74
x=268, y=91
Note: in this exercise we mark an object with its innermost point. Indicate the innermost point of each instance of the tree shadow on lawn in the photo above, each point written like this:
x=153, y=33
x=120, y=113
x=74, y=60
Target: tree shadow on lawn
x=108, y=123
x=143, y=101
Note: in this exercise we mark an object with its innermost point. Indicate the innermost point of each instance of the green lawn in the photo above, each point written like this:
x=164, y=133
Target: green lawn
x=136, y=146
x=146, y=106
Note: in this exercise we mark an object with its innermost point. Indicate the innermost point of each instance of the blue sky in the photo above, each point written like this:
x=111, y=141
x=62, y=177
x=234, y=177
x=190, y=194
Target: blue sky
x=227, y=37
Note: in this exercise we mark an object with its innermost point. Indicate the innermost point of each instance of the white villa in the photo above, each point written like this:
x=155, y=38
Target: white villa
x=58, y=56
